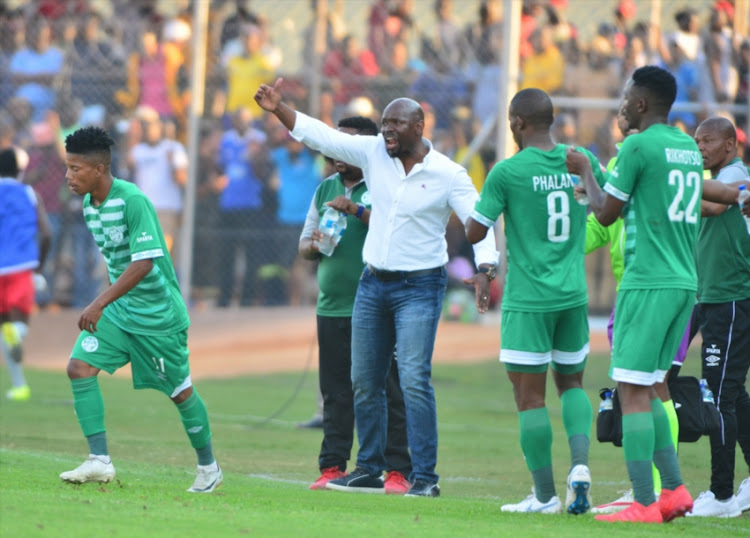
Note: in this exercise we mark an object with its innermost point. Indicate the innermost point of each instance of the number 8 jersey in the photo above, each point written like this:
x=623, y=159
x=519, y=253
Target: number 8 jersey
x=659, y=173
x=545, y=228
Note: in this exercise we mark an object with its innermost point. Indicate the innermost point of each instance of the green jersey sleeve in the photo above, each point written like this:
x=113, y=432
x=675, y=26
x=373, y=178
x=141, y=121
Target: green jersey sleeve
x=624, y=176
x=492, y=199
x=145, y=242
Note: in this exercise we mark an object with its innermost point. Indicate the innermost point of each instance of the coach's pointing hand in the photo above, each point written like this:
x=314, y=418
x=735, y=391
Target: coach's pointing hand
x=268, y=97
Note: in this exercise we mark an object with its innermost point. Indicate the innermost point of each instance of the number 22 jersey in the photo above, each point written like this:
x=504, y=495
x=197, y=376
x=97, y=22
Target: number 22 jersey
x=659, y=173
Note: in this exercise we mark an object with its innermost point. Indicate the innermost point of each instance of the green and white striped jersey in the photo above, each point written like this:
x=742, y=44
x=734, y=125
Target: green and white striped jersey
x=126, y=230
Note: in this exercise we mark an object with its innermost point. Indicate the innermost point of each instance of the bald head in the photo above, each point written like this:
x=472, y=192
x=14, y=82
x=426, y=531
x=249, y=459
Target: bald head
x=717, y=141
x=534, y=106
x=406, y=106
x=721, y=126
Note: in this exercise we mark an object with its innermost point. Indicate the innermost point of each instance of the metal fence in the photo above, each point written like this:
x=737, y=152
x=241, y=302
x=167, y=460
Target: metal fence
x=232, y=189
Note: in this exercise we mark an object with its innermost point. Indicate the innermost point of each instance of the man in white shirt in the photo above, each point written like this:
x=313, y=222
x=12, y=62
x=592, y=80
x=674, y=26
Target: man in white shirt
x=158, y=166
x=413, y=190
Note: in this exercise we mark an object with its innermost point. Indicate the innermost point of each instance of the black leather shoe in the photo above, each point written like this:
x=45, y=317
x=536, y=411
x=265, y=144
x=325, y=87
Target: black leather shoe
x=423, y=488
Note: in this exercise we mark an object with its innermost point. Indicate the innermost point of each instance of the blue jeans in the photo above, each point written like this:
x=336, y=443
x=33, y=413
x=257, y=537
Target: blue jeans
x=404, y=313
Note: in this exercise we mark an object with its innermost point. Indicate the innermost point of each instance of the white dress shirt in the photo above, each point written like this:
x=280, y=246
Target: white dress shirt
x=409, y=212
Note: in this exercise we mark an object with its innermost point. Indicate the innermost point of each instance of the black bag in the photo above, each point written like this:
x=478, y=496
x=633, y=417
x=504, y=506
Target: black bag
x=609, y=421
x=696, y=417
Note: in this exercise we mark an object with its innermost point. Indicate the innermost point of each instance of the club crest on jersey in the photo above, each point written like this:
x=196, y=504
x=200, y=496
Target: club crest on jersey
x=115, y=235
x=365, y=198
x=90, y=344
x=145, y=236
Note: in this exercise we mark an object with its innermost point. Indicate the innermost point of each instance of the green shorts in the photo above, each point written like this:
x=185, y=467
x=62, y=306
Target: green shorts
x=649, y=326
x=157, y=362
x=531, y=340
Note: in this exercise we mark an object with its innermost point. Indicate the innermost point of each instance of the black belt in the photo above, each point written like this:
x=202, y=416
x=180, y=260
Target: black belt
x=401, y=275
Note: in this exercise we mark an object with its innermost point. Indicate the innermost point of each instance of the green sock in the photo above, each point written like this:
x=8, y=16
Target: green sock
x=195, y=421
x=89, y=407
x=577, y=417
x=638, y=446
x=536, y=444
x=665, y=457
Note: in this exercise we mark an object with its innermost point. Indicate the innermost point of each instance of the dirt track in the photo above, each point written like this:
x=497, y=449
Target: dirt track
x=228, y=342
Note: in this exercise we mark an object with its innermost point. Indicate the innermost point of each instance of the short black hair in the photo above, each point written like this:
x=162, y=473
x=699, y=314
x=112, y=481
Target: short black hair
x=361, y=124
x=8, y=163
x=535, y=106
x=90, y=141
x=659, y=83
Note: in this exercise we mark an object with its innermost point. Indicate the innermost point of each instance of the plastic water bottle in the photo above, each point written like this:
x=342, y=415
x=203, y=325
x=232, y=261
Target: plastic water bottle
x=708, y=396
x=606, y=404
x=332, y=225
x=742, y=199
x=576, y=179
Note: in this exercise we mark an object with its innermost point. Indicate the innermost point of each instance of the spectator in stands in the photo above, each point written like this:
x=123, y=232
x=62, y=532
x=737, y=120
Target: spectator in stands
x=743, y=89
x=245, y=72
x=152, y=78
x=347, y=69
x=243, y=169
x=720, y=55
x=298, y=178
x=447, y=41
x=545, y=66
x=396, y=76
x=687, y=75
x=232, y=27
x=35, y=69
x=158, y=166
x=11, y=33
x=46, y=174
x=441, y=85
x=21, y=115
x=96, y=66
x=484, y=39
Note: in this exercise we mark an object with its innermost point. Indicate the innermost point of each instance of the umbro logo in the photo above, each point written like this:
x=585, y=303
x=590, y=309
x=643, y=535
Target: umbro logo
x=712, y=360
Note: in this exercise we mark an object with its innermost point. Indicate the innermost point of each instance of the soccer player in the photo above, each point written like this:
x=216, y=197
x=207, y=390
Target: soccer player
x=545, y=305
x=140, y=318
x=658, y=175
x=25, y=238
x=723, y=314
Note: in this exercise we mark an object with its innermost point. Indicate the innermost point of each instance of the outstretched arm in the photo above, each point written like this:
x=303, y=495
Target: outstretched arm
x=269, y=98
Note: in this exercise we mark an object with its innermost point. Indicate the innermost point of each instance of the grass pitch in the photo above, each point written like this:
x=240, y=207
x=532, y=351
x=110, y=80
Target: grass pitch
x=268, y=465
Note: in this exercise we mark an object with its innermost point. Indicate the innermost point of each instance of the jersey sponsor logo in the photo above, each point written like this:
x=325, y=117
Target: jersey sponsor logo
x=713, y=350
x=145, y=236
x=115, y=235
x=553, y=182
x=90, y=344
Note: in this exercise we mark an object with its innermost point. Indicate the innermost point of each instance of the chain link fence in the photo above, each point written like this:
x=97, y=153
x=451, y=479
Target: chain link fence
x=128, y=67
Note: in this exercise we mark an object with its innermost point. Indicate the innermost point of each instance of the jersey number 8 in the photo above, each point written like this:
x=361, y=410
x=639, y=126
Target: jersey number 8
x=558, y=223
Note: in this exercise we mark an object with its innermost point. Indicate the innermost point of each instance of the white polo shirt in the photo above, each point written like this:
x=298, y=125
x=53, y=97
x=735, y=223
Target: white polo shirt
x=409, y=212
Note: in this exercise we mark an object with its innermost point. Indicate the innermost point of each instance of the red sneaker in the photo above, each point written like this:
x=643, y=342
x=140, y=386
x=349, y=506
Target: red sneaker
x=636, y=513
x=326, y=475
x=396, y=483
x=674, y=503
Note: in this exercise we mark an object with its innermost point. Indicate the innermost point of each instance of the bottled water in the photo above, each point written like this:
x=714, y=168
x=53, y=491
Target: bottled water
x=607, y=403
x=332, y=224
x=581, y=199
x=706, y=393
x=742, y=199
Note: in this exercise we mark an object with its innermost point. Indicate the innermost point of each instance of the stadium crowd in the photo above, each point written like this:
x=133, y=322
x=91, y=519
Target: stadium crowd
x=126, y=66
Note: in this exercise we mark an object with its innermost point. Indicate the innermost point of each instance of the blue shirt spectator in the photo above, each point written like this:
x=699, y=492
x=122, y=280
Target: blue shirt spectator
x=299, y=178
x=244, y=189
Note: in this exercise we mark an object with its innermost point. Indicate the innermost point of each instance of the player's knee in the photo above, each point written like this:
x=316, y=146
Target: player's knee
x=182, y=396
x=77, y=369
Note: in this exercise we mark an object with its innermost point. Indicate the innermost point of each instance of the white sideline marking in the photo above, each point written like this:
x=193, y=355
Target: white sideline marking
x=276, y=478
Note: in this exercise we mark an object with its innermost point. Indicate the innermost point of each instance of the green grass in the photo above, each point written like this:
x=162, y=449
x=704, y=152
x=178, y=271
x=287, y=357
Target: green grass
x=268, y=465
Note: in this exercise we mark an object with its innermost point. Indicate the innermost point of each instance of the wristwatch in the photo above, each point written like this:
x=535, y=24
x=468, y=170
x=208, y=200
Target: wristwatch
x=489, y=270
